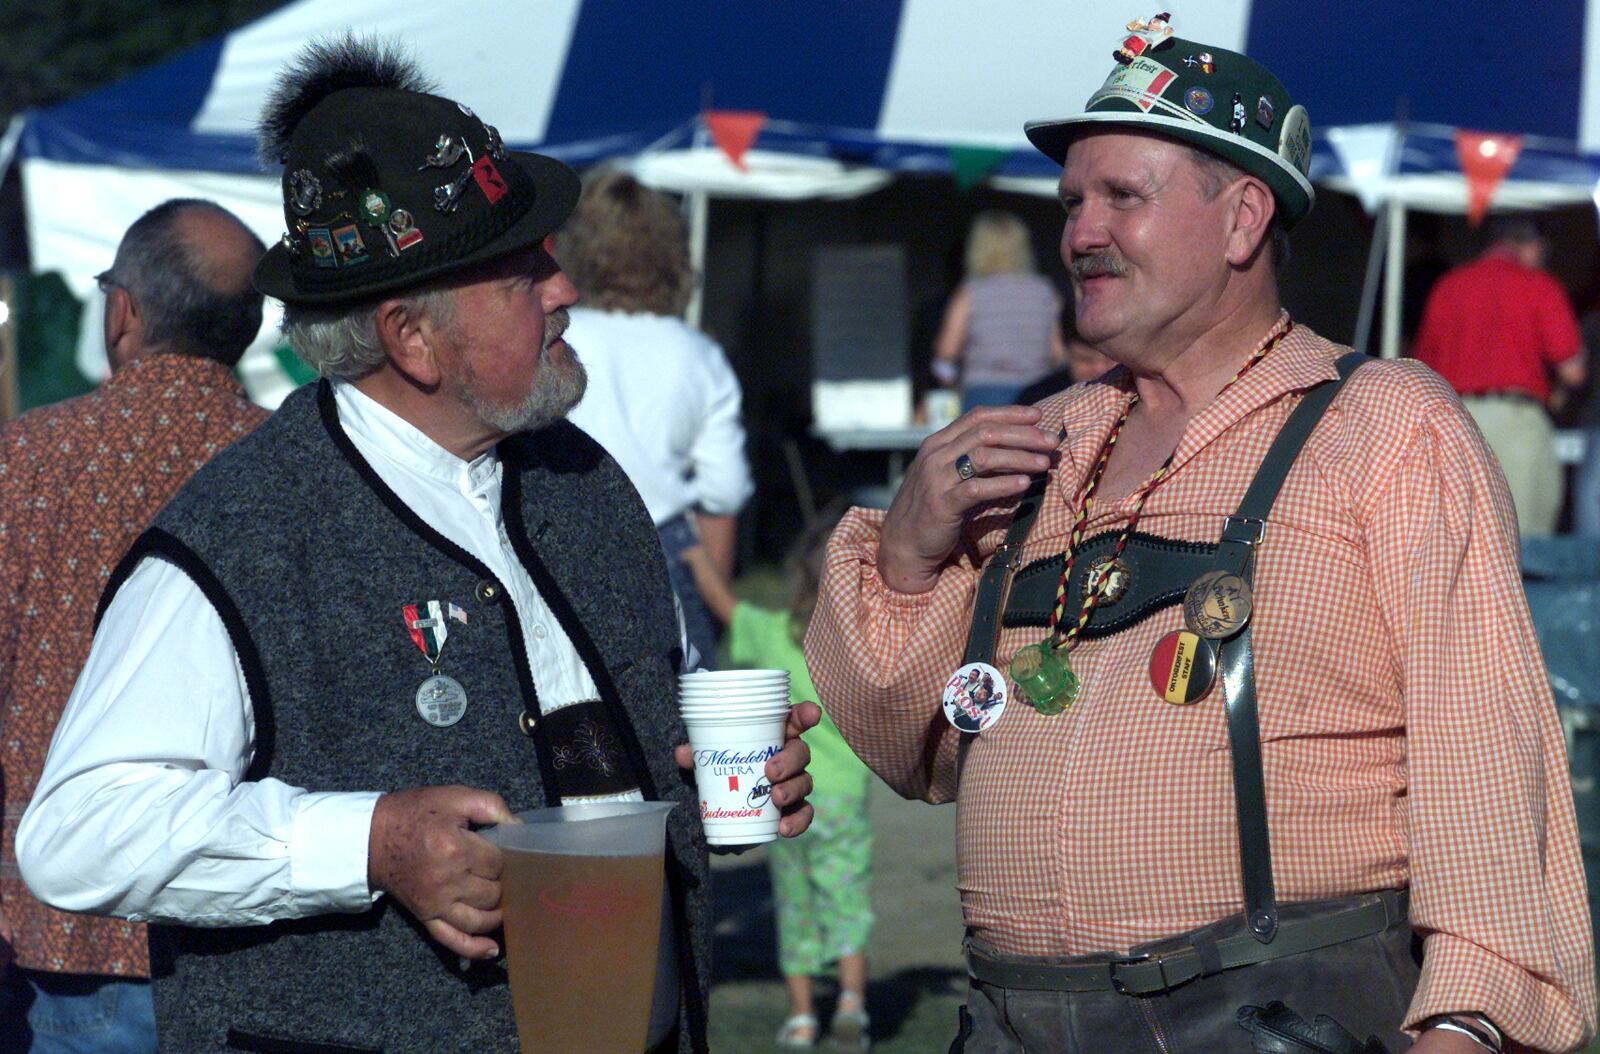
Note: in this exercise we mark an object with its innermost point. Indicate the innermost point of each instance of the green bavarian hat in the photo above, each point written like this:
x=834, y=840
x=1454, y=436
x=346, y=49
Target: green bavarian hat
x=1220, y=101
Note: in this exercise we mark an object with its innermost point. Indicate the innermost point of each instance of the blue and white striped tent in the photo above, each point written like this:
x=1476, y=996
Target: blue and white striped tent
x=853, y=90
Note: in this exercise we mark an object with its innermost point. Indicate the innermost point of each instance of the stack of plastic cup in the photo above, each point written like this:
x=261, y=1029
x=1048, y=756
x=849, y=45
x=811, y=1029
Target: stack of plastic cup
x=736, y=720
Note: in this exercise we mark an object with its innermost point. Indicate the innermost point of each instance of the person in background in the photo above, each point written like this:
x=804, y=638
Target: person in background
x=999, y=332
x=1499, y=329
x=821, y=880
x=1084, y=363
x=78, y=482
x=662, y=398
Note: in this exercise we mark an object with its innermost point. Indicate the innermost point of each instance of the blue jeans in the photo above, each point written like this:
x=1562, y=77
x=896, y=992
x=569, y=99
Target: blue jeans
x=989, y=395
x=677, y=534
x=47, y=1013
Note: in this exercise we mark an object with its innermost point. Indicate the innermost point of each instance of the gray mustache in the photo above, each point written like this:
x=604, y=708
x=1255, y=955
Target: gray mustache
x=555, y=324
x=1097, y=265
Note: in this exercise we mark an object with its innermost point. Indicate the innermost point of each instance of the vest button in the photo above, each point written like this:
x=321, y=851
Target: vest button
x=527, y=722
x=487, y=591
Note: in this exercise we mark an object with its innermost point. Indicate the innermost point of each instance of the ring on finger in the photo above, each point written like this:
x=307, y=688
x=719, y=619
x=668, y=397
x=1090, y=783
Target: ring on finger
x=965, y=468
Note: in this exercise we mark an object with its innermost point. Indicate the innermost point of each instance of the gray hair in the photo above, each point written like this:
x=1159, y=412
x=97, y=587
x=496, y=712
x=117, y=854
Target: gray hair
x=170, y=277
x=1215, y=173
x=342, y=340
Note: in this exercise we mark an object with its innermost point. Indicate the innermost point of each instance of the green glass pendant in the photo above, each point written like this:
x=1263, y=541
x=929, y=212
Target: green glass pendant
x=1045, y=679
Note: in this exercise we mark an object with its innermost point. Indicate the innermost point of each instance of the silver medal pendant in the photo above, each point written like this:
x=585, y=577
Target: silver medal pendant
x=441, y=701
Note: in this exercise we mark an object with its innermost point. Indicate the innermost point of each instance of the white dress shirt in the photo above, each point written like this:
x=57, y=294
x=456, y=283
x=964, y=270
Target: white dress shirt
x=140, y=811
x=664, y=402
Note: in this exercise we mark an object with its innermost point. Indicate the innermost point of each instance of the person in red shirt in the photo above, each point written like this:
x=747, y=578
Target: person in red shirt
x=1497, y=329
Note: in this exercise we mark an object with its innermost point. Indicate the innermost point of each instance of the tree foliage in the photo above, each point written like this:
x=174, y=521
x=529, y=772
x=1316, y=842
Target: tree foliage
x=57, y=49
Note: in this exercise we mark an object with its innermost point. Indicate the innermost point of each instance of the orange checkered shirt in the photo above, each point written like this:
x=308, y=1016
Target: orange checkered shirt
x=1409, y=737
x=78, y=481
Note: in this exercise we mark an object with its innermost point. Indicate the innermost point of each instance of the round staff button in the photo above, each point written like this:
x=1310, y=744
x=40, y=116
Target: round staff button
x=1182, y=667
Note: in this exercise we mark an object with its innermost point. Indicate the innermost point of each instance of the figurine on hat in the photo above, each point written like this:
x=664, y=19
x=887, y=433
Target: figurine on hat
x=1144, y=36
x=1201, y=94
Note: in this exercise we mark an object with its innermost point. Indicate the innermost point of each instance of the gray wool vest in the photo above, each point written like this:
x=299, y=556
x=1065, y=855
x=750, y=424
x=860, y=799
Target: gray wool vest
x=309, y=558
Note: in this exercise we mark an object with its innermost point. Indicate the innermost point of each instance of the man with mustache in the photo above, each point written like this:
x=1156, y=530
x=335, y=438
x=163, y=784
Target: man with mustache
x=380, y=622
x=1332, y=811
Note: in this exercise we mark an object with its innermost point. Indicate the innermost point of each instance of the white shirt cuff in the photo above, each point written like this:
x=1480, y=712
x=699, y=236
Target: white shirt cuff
x=328, y=852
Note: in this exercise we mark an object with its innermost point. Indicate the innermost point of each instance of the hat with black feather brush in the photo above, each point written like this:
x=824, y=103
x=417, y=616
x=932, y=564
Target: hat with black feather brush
x=386, y=184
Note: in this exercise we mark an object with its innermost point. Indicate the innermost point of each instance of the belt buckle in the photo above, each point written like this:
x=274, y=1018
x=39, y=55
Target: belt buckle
x=1121, y=988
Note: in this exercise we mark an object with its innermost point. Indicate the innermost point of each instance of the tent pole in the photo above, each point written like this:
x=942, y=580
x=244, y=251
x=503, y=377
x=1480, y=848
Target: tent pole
x=1369, y=283
x=9, y=142
x=699, y=206
x=1394, y=280
x=10, y=390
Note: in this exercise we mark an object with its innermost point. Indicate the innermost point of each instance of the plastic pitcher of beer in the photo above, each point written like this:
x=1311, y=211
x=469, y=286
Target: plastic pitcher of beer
x=581, y=894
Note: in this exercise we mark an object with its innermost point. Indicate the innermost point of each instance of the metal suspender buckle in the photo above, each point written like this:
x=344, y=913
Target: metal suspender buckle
x=1005, y=559
x=1006, y=554
x=1244, y=530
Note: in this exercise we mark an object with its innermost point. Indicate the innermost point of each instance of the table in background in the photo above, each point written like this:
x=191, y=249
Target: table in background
x=896, y=442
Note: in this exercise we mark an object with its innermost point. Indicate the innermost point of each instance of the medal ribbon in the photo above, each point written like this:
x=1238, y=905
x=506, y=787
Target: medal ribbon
x=426, y=623
x=1057, y=638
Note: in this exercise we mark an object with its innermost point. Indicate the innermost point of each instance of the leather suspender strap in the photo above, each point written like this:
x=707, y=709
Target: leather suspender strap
x=991, y=596
x=1241, y=534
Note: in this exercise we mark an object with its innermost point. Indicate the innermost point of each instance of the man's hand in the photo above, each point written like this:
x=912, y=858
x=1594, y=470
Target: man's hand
x=421, y=853
x=924, y=522
x=786, y=770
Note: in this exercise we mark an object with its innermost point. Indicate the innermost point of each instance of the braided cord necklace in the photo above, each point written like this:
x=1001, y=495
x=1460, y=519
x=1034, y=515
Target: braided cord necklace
x=1042, y=670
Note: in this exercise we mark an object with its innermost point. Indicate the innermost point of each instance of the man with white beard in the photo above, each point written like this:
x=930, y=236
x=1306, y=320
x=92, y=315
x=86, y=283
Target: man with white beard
x=417, y=575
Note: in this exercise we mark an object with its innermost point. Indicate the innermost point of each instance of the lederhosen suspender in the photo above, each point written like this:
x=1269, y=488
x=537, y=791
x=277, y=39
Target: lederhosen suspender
x=1241, y=534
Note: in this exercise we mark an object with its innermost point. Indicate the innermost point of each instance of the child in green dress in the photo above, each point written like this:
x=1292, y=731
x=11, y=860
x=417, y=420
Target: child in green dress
x=820, y=881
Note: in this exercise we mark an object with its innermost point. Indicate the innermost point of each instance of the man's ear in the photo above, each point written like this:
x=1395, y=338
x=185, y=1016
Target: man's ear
x=123, y=328
x=1253, y=211
x=411, y=342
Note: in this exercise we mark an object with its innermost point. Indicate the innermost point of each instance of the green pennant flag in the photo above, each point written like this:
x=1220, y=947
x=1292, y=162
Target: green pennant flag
x=971, y=165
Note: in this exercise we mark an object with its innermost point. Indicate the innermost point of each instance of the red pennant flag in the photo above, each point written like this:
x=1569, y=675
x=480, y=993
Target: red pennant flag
x=733, y=783
x=1485, y=159
x=733, y=131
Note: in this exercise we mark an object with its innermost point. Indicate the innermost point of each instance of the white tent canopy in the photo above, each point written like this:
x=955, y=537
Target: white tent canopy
x=853, y=93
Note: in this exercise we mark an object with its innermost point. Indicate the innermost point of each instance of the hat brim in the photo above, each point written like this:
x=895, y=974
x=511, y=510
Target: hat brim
x=1290, y=188
x=557, y=190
